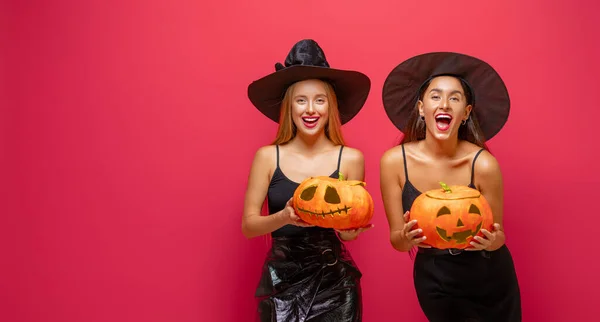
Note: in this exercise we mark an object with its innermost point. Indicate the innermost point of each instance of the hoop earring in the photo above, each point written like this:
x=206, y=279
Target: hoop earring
x=467, y=120
x=423, y=118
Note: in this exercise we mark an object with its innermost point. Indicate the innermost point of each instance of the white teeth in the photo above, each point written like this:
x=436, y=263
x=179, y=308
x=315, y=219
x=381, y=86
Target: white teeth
x=310, y=119
x=448, y=117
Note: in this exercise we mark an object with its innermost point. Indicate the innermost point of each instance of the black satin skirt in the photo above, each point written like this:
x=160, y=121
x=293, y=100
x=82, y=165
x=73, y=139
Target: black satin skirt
x=309, y=278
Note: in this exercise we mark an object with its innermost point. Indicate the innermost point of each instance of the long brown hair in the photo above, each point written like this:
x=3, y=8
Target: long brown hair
x=287, y=128
x=471, y=131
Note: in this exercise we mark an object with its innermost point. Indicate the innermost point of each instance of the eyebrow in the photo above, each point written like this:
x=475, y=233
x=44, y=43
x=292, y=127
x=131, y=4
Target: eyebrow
x=305, y=96
x=453, y=92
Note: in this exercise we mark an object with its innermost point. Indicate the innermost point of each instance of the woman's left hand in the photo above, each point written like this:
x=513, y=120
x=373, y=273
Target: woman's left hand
x=493, y=240
x=352, y=234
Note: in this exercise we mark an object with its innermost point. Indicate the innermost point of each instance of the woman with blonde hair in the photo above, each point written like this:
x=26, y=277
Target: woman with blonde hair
x=308, y=275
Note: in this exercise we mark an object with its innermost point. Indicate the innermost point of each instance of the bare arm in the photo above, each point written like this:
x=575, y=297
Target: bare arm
x=354, y=164
x=253, y=224
x=391, y=194
x=489, y=179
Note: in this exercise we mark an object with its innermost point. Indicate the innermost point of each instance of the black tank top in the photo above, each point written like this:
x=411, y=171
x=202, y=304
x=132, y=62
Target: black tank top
x=410, y=193
x=281, y=189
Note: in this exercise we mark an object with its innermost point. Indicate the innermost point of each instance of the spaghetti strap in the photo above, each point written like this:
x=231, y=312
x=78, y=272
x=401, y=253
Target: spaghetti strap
x=405, y=167
x=277, y=148
x=340, y=158
x=473, y=167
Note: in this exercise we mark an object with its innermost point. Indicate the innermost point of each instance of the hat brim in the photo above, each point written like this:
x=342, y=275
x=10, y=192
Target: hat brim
x=351, y=89
x=491, y=100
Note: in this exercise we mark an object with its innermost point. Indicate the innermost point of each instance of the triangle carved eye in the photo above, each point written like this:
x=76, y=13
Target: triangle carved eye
x=474, y=210
x=443, y=211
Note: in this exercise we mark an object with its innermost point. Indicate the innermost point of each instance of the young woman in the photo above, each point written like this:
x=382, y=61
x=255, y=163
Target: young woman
x=308, y=275
x=447, y=105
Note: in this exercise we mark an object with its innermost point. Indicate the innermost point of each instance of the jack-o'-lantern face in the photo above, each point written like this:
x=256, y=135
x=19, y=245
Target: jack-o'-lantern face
x=332, y=203
x=452, y=216
x=455, y=228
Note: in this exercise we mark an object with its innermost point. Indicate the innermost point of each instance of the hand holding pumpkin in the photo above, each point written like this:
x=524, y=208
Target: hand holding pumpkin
x=480, y=243
x=410, y=235
x=352, y=234
x=289, y=215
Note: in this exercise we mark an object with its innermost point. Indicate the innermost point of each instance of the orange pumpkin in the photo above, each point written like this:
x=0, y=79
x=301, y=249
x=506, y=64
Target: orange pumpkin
x=333, y=203
x=450, y=217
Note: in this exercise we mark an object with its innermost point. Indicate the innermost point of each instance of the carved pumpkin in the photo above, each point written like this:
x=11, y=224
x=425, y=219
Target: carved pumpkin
x=333, y=203
x=450, y=217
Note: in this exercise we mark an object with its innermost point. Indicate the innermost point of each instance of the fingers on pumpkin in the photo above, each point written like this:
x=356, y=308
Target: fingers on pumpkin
x=420, y=239
x=476, y=246
x=413, y=233
x=487, y=234
x=408, y=229
x=482, y=241
x=406, y=216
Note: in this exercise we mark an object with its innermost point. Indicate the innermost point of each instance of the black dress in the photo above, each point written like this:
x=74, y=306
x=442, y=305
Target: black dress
x=464, y=286
x=308, y=275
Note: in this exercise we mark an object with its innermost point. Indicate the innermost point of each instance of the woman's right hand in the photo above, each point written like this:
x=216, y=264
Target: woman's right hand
x=410, y=235
x=290, y=217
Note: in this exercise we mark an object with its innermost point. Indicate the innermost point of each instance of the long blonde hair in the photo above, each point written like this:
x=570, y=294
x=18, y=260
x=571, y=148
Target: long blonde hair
x=287, y=128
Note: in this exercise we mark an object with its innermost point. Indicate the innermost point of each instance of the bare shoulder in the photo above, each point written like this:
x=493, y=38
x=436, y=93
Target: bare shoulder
x=265, y=158
x=265, y=152
x=352, y=155
x=392, y=157
x=487, y=166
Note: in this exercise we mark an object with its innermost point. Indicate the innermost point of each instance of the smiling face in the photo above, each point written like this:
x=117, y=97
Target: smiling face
x=310, y=107
x=444, y=105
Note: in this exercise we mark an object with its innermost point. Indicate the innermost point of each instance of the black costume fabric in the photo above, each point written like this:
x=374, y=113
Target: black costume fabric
x=308, y=275
x=464, y=286
x=309, y=278
x=472, y=286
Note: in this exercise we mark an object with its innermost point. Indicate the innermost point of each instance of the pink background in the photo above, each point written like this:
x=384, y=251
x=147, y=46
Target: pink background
x=127, y=138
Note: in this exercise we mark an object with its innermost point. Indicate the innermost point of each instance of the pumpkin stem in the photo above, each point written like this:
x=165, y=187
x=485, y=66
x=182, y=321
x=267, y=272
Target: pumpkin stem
x=445, y=187
x=341, y=177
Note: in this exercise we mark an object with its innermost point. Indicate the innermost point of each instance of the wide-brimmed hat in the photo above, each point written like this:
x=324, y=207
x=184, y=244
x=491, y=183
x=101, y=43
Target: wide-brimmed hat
x=491, y=103
x=306, y=60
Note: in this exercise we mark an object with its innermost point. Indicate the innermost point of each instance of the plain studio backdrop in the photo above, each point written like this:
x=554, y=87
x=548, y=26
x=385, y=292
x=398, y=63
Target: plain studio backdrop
x=127, y=138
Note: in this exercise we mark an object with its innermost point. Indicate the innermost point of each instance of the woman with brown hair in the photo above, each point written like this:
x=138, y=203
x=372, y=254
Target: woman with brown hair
x=307, y=275
x=448, y=105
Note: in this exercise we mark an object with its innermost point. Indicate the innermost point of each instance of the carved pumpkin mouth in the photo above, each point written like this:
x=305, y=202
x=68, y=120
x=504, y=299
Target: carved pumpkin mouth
x=332, y=212
x=460, y=237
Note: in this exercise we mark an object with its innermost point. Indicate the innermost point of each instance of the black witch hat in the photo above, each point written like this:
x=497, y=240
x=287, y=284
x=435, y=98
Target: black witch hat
x=306, y=60
x=491, y=103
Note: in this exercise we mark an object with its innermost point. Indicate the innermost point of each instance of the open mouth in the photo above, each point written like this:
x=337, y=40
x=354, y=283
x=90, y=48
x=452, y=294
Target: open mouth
x=460, y=237
x=442, y=121
x=311, y=121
